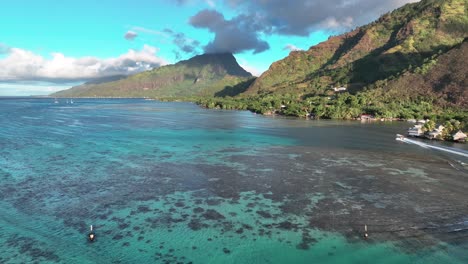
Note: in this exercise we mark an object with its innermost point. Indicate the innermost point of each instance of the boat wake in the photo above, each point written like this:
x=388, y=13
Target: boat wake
x=428, y=146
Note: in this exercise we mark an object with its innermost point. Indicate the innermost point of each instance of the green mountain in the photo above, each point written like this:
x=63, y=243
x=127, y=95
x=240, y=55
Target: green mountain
x=202, y=75
x=410, y=63
x=408, y=38
x=443, y=79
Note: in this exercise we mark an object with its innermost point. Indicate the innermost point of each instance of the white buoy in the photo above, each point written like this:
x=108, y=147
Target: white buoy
x=366, y=235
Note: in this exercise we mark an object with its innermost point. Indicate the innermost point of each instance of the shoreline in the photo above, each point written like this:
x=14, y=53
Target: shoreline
x=363, y=119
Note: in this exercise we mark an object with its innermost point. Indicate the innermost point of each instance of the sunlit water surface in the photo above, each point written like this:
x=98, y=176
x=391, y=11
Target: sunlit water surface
x=175, y=183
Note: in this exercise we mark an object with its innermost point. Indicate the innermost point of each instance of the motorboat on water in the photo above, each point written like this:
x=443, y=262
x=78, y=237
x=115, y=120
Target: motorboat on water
x=91, y=234
x=400, y=137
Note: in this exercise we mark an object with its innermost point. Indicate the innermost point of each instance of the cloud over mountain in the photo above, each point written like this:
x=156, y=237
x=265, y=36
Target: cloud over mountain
x=234, y=36
x=298, y=18
x=23, y=65
x=304, y=16
x=183, y=43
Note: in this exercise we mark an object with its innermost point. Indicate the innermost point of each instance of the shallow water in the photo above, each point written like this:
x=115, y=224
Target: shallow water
x=172, y=182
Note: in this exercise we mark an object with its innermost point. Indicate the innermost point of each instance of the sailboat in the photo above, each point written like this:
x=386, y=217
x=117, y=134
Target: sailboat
x=56, y=101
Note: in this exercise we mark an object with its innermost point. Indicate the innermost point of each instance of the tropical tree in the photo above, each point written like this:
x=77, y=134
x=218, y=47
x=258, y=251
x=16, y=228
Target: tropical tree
x=429, y=126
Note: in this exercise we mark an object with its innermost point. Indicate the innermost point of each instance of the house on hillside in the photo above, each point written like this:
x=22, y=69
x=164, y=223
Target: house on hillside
x=459, y=136
x=416, y=131
x=339, y=89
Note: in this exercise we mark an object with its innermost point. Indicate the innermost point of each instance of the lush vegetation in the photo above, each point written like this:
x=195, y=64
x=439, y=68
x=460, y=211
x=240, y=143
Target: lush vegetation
x=410, y=37
x=450, y=127
x=410, y=63
x=339, y=106
x=203, y=75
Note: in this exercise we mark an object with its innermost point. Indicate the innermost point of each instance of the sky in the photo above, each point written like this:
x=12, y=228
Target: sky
x=50, y=45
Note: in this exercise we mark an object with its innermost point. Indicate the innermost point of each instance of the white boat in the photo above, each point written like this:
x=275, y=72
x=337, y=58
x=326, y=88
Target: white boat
x=56, y=101
x=400, y=137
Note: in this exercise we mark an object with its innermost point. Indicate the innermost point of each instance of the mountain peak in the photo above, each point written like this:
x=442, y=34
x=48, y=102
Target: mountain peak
x=224, y=61
x=202, y=75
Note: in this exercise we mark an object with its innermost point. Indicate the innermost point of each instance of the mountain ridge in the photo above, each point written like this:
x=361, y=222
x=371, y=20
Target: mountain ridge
x=409, y=63
x=200, y=75
x=386, y=47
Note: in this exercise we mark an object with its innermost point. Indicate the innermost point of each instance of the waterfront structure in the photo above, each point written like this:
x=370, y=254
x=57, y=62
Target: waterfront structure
x=459, y=136
x=416, y=131
x=436, y=133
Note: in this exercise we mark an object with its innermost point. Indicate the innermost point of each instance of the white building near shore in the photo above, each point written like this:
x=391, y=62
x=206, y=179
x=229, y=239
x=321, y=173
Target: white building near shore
x=459, y=136
x=436, y=132
x=416, y=131
x=339, y=89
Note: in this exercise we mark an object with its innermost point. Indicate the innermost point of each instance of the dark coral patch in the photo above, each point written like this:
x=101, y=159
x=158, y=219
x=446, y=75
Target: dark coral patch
x=213, y=202
x=179, y=204
x=143, y=209
x=286, y=225
x=211, y=214
x=240, y=231
x=196, y=224
x=124, y=225
x=264, y=214
x=198, y=210
x=29, y=246
x=117, y=237
x=306, y=241
x=246, y=226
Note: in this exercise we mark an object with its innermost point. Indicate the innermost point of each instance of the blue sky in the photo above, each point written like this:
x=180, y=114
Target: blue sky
x=48, y=45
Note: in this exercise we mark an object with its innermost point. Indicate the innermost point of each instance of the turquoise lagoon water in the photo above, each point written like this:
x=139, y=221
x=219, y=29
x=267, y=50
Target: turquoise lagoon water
x=175, y=183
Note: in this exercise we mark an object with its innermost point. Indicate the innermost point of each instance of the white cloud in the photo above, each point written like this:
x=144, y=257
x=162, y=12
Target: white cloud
x=255, y=71
x=150, y=31
x=291, y=47
x=334, y=23
x=23, y=65
x=303, y=17
x=210, y=3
